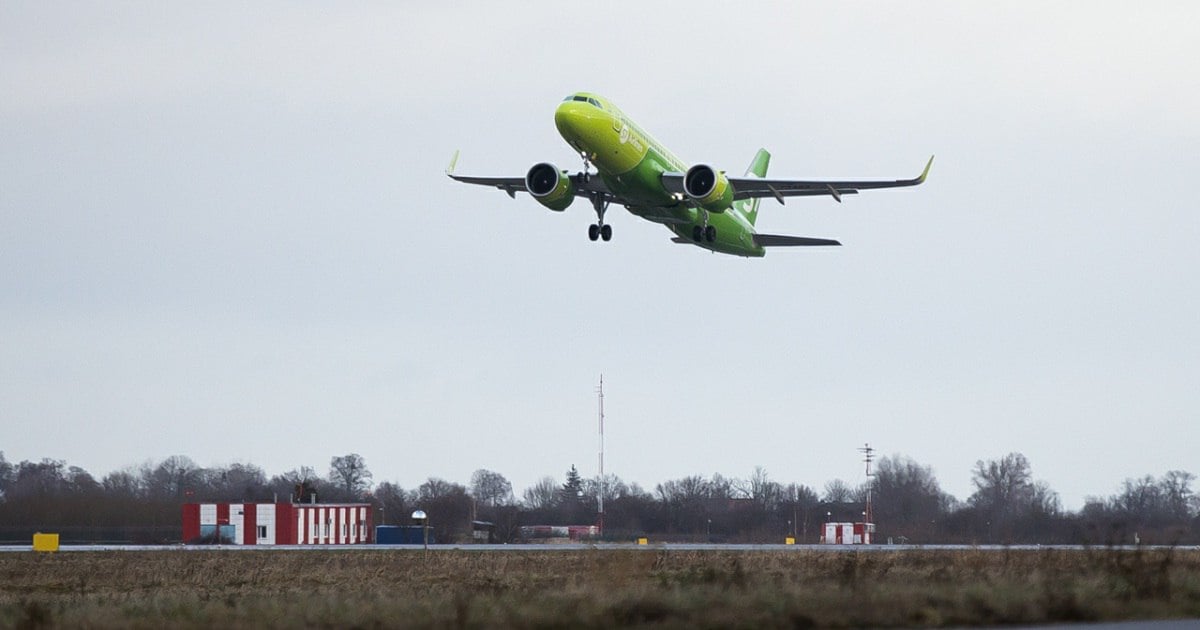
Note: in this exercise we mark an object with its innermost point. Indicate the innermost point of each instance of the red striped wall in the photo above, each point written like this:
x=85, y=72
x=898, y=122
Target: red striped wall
x=294, y=524
x=191, y=521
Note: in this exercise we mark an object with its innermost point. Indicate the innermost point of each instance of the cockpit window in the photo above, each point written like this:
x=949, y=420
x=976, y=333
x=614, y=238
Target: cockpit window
x=583, y=99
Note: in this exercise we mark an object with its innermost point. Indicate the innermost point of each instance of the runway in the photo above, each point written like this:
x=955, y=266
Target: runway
x=608, y=547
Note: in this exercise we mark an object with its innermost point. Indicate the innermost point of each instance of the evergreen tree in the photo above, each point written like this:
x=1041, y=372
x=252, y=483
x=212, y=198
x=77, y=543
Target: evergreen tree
x=572, y=490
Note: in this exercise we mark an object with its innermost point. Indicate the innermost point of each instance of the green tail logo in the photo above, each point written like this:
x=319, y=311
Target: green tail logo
x=758, y=168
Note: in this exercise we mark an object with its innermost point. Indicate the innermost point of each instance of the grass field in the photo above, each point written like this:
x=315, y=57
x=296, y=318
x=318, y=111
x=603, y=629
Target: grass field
x=562, y=589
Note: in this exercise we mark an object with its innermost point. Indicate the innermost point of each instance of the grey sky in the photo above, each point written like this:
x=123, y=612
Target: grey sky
x=225, y=233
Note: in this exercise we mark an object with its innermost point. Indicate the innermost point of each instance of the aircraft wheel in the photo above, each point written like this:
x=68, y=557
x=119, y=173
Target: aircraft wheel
x=606, y=232
x=710, y=234
x=697, y=233
x=593, y=232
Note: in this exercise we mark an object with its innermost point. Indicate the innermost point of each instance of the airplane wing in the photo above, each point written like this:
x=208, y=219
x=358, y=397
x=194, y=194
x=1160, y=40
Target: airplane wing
x=584, y=186
x=751, y=187
x=510, y=185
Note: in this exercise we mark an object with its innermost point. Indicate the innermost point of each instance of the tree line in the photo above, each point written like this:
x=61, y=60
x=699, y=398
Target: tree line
x=142, y=504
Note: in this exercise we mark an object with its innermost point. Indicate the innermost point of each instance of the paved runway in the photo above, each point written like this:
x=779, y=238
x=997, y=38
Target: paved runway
x=602, y=547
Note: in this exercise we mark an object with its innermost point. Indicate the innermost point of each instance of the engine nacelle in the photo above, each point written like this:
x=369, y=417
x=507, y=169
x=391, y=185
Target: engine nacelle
x=708, y=187
x=551, y=187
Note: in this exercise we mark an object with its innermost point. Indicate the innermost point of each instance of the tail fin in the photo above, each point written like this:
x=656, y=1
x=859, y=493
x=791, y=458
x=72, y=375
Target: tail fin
x=758, y=168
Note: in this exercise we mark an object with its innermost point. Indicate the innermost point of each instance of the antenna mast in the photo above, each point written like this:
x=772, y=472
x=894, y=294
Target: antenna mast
x=600, y=495
x=868, y=457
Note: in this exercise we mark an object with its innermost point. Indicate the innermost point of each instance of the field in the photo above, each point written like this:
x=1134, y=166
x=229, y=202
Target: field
x=560, y=589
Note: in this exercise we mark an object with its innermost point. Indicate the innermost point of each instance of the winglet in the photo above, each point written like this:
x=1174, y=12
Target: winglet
x=454, y=160
x=920, y=180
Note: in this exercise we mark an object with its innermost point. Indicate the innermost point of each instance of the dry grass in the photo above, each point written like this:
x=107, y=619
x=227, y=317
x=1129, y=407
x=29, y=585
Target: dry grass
x=597, y=589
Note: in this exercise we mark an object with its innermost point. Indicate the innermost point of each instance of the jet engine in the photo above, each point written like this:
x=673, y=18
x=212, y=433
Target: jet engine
x=708, y=188
x=551, y=187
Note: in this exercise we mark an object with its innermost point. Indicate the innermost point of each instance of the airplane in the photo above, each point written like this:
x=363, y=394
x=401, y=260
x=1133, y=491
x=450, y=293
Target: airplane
x=700, y=205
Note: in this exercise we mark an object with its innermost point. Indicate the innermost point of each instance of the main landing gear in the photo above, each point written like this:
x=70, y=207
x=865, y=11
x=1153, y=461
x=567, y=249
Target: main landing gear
x=599, y=229
x=704, y=232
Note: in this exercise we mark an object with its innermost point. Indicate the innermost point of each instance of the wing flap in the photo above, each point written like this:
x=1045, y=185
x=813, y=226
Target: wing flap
x=780, y=240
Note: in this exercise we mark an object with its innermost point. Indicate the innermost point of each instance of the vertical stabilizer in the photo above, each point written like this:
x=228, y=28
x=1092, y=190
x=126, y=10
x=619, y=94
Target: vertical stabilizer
x=758, y=168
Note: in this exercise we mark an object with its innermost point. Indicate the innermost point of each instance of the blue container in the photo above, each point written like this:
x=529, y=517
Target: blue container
x=401, y=535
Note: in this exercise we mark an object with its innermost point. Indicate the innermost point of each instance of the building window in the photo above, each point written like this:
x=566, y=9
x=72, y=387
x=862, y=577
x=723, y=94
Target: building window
x=262, y=532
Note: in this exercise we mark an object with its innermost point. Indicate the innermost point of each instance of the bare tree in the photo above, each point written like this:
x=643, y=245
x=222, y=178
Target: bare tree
x=614, y=488
x=907, y=498
x=448, y=507
x=491, y=488
x=238, y=482
x=172, y=477
x=349, y=473
x=123, y=484
x=838, y=491
x=684, y=502
x=721, y=487
x=78, y=481
x=38, y=479
x=301, y=484
x=1177, y=494
x=1003, y=487
x=6, y=476
x=541, y=495
x=393, y=502
x=1140, y=500
x=683, y=491
x=760, y=489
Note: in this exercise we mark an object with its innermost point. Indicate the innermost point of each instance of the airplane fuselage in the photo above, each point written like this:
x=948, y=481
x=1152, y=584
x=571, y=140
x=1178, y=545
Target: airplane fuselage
x=631, y=163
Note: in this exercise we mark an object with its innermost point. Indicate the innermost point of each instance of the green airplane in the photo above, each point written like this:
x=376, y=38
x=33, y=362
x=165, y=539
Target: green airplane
x=700, y=205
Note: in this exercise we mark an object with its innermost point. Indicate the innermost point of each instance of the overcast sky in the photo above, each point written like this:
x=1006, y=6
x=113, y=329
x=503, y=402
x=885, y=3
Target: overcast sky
x=225, y=233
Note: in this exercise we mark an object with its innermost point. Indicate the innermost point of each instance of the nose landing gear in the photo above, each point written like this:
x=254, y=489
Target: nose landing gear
x=599, y=229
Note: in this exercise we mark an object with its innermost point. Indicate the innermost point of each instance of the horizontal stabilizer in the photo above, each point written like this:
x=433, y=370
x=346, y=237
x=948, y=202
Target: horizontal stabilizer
x=778, y=240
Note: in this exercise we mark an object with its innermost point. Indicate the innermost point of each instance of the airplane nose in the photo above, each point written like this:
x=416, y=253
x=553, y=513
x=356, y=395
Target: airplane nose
x=569, y=120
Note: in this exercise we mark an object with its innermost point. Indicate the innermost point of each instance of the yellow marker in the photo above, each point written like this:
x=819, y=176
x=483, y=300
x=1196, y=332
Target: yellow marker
x=789, y=541
x=643, y=541
x=45, y=542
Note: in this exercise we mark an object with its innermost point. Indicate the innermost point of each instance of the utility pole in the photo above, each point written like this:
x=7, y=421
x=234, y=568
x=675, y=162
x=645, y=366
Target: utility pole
x=600, y=494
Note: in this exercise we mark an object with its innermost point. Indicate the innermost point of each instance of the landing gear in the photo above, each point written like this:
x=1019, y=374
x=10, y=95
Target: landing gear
x=587, y=165
x=704, y=233
x=599, y=229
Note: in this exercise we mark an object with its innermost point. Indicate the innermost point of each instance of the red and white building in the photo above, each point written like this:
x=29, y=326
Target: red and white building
x=848, y=533
x=280, y=523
